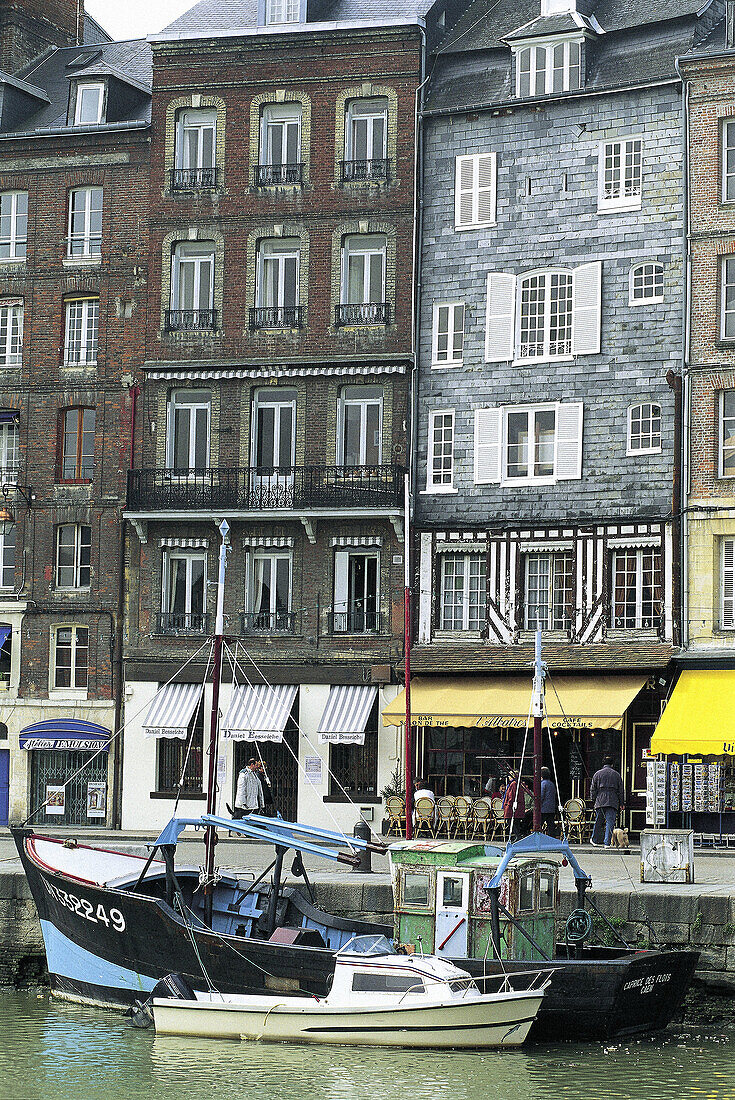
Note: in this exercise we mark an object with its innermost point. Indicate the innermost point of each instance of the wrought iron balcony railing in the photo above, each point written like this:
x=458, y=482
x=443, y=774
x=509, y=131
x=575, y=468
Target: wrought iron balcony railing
x=175, y=622
x=84, y=248
x=191, y=320
x=362, y=313
x=364, y=171
x=267, y=622
x=356, y=621
x=266, y=489
x=193, y=179
x=279, y=175
x=275, y=317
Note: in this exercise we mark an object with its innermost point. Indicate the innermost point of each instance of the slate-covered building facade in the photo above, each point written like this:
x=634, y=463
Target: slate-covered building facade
x=74, y=128
x=547, y=475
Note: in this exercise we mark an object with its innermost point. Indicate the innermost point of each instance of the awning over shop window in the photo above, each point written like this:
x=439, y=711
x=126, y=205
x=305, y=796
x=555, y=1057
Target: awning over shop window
x=8, y=416
x=698, y=719
x=171, y=710
x=573, y=702
x=259, y=712
x=65, y=733
x=346, y=713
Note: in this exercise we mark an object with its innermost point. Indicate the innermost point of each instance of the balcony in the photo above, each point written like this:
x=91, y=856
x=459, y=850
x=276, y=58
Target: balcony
x=362, y=313
x=356, y=621
x=266, y=489
x=191, y=320
x=178, y=623
x=279, y=175
x=267, y=622
x=275, y=317
x=364, y=171
x=193, y=179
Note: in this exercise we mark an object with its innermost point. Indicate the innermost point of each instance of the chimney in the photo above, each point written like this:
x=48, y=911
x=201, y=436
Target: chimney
x=29, y=27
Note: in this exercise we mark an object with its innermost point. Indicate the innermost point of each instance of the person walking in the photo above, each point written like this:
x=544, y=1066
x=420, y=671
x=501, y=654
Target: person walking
x=268, y=800
x=548, y=802
x=514, y=809
x=608, y=796
x=249, y=795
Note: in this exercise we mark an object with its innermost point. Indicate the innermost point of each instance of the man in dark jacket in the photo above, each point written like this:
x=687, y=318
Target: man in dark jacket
x=608, y=795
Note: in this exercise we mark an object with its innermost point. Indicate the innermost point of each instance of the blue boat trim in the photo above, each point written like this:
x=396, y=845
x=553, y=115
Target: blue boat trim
x=538, y=844
x=67, y=960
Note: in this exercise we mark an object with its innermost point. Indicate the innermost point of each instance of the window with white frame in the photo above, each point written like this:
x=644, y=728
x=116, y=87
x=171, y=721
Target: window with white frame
x=278, y=278
x=636, y=583
x=184, y=596
x=363, y=269
x=549, y=599
x=280, y=135
x=544, y=69
x=11, y=333
x=269, y=592
x=646, y=283
x=475, y=184
x=13, y=225
x=282, y=11
x=192, y=280
x=727, y=584
x=448, y=334
x=366, y=129
x=547, y=314
x=9, y=447
x=81, y=331
x=7, y=555
x=85, y=223
x=644, y=428
x=360, y=414
x=196, y=139
x=71, y=657
x=726, y=401
x=274, y=435
x=440, y=475
x=90, y=99
x=728, y=160
x=188, y=429
x=462, y=594
x=620, y=174
x=727, y=298
x=356, y=592
x=73, y=555
x=525, y=444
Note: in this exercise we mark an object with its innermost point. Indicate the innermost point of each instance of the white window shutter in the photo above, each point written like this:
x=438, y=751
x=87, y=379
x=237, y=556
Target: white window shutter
x=569, y=440
x=488, y=439
x=341, y=570
x=485, y=169
x=501, y=317
x=728, y=584
x=464, y=191
x=587, y=283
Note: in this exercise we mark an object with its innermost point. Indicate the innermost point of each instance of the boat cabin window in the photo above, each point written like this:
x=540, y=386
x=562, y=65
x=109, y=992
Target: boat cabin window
x=460, y=985
x=526, y=894
x=545, y=896
x=452, y=893
x=416, y=889
x=387, y=983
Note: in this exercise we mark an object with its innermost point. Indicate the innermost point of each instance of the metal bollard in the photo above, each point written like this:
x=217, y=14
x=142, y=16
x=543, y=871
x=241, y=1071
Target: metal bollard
x=362, y=832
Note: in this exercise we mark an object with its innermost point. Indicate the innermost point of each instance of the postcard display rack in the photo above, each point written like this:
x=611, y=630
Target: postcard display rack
x=682, y=788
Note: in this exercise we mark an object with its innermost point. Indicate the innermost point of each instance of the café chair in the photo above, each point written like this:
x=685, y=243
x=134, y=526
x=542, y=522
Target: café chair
x=462, y=815
x=573, y=819
x=481, y=817
x=423, y=817
x=396, y=807
x=500, y=825
x=444, y=815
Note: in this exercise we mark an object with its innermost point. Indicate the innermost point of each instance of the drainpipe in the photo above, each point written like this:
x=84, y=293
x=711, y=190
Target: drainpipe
x=684, y=395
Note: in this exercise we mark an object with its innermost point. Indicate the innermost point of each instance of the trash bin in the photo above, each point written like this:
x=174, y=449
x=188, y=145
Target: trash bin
x=362, y=832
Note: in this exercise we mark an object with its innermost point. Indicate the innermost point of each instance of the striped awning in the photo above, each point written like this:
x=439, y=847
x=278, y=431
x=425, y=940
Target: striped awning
x=259, y=712
x=171, y=709
x=346, y=713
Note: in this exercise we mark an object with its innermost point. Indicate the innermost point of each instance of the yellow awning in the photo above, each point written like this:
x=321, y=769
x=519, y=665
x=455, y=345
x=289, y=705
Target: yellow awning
x=584, y=702
x=700, y=715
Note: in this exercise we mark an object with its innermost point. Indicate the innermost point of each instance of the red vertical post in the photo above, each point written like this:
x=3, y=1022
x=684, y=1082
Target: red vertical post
x=407, y=734
x=538, y=713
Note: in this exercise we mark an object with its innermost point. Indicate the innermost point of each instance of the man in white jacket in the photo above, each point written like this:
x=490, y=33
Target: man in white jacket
x=249, y=796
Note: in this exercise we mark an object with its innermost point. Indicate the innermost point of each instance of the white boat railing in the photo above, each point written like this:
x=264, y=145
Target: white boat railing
x=539, y=979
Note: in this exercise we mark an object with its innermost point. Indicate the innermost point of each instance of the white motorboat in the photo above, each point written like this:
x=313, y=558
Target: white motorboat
x=378, y=998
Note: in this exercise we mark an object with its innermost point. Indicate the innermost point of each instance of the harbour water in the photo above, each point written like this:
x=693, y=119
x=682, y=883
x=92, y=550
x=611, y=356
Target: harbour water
x=51, y=1049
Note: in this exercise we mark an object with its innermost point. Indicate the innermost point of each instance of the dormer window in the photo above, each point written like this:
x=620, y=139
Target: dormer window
x=88, y=110
x=544, y=69
x=282, y=11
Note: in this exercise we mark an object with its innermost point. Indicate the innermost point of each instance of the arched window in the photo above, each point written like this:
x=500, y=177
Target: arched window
x=545, y=311
x=644, y=429
x=646, y=283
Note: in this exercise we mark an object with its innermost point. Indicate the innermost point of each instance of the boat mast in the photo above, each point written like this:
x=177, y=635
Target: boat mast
x=407, y=651
x=210, y=834
x=537, y=709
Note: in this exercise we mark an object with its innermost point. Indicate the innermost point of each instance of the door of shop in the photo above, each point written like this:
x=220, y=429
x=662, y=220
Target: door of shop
x=55, y=768
x=280, y=759
x=638, y=739
x=4, y=785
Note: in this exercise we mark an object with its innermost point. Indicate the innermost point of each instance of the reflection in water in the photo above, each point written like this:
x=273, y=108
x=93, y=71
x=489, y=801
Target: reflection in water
x=51, y=1049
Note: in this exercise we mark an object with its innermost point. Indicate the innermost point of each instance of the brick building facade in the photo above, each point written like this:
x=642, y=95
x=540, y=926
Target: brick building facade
x=73, y=253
